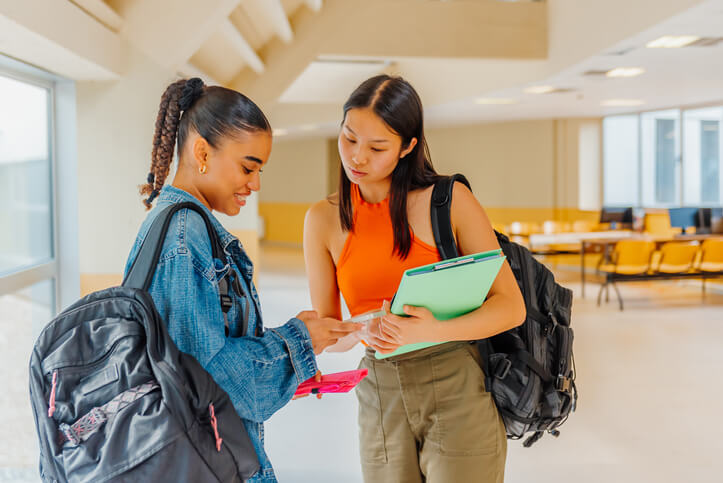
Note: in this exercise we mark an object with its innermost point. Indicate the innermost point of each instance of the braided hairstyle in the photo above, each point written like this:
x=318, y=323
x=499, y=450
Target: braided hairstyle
x=213, y=112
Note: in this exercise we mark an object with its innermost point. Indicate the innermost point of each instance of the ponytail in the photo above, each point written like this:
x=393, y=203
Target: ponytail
x=213, y=112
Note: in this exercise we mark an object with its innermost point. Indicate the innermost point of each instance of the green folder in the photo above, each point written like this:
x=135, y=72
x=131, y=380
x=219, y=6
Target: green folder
x=449, y=288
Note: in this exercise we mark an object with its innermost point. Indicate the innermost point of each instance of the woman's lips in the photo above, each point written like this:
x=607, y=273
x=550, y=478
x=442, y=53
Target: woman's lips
x=240, y=199
x=357, y=174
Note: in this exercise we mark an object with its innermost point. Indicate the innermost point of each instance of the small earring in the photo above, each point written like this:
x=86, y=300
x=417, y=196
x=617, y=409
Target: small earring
x=202, y=169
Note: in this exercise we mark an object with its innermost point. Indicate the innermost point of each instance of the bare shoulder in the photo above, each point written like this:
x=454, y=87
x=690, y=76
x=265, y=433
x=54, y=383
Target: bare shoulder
x=462, y=195
x=323, y=214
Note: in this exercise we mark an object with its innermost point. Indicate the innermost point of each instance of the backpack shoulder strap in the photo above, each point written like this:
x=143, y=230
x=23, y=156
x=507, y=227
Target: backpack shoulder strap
x=143, y=268
x=440, y=208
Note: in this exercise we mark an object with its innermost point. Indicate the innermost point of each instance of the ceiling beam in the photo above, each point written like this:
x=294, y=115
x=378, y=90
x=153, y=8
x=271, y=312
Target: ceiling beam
x=275, y=14
x=385, y=31
x=60, y=37
x=242, y=47
x=314, y=5
x=100, y=10
x=170, y=32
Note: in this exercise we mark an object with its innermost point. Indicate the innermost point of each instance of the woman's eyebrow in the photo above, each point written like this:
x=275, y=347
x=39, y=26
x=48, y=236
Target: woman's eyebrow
x=254, y=159
x=372, y=141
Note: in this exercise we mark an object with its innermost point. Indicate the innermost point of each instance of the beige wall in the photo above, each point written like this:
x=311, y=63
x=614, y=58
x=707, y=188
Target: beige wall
x=295, y=177
x=115, y=128
x=509, y=164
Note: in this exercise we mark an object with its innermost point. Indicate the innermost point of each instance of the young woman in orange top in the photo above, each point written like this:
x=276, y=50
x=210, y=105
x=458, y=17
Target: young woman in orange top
x=423, y=415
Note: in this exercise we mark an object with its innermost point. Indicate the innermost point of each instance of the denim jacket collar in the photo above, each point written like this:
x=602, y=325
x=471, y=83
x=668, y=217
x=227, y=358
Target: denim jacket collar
x=170, y=194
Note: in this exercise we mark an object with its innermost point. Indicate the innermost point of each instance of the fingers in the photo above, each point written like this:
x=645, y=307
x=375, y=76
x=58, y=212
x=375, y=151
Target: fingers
x=415, y=311
x=382, y=346
x=344, y=327
x=306, y=315
x=391, y=333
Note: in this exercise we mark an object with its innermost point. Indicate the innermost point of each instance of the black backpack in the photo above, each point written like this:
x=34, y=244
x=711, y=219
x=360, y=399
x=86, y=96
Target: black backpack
x=529, y=370
x=115, y=400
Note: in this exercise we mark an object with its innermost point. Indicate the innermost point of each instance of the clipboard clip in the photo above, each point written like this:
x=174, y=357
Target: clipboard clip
x=464, y=261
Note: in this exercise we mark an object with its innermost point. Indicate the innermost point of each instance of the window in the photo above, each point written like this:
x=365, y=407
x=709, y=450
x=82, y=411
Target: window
x=26, y=238
x=621, y=170
x=660, y=158
x=702, y=156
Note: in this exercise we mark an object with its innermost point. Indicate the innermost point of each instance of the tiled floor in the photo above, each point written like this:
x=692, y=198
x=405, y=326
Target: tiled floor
x=650, y=382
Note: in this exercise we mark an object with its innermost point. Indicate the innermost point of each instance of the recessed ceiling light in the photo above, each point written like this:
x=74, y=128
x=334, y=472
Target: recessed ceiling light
x=539, y=89
x=494, y=101
x=280, y=132
x=622, y=102
x=625, y=72
x=308, y=127
x=672, y=41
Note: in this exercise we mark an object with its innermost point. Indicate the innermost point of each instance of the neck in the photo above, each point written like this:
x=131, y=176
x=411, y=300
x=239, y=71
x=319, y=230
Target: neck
x=183, y=182
x=375, y=192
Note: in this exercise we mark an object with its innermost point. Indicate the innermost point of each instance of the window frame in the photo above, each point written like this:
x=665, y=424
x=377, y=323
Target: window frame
x=48, y=269
x=680, y=195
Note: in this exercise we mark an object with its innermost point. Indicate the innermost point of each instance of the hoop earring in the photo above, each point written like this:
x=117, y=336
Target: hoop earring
x=202, y=169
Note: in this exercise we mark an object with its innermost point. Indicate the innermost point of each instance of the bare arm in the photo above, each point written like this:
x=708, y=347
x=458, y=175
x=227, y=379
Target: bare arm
x=320, y=268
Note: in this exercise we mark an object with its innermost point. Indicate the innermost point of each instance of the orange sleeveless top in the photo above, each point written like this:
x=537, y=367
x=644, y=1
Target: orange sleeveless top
x=368, y=271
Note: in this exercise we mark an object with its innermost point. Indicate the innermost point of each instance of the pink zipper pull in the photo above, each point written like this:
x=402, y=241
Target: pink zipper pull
x=51, y=402
x=214, y=424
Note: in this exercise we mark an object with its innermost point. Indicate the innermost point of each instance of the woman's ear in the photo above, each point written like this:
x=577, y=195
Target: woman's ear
x=409, y=148
x=201, y=151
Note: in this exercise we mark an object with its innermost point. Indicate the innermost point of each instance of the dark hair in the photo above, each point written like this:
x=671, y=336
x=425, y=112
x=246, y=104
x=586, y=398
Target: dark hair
x=396, y=102
x=213, y=112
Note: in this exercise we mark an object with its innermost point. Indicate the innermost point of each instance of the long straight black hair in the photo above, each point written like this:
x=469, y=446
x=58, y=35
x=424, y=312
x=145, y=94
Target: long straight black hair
x=396, y=103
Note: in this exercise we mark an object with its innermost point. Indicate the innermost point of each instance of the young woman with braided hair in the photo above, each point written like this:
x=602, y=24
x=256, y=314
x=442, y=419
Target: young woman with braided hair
x=223, y=142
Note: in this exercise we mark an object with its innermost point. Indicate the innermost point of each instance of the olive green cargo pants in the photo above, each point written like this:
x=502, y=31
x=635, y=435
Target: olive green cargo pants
x=425, y=416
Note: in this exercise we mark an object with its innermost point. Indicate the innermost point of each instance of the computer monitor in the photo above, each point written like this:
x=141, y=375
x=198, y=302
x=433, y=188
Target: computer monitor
x=623, y=215
x=709, y=220
x=683, y=218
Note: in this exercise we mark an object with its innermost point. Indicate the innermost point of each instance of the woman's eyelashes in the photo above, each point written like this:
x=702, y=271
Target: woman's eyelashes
x=353, y=141
x=249, y=171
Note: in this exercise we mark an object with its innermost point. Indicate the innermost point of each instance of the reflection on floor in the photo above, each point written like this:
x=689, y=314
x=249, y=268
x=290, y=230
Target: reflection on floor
x=649, y=380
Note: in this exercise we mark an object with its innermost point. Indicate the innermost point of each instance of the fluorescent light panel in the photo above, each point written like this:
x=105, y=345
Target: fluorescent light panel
x=672, y=41
x=625, y=72
x=622, y=102
x=539, y=89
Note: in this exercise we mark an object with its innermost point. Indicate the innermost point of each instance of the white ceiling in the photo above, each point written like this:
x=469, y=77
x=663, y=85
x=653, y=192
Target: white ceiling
x=273, y=50
x=673, y=77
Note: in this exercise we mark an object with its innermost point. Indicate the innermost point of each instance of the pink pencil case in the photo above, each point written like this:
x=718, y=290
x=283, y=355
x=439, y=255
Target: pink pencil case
x=336, y=382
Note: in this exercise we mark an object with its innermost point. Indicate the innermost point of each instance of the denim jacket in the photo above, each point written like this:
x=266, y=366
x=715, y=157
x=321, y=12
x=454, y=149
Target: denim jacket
x=261, y=370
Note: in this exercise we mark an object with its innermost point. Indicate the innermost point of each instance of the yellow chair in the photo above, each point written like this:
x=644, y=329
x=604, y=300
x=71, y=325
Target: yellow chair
x=711, y=258
x=675, y=257
x=583, y=226
x=658, y=224
x=629, y=257
x=550, y=227
x=520, y=231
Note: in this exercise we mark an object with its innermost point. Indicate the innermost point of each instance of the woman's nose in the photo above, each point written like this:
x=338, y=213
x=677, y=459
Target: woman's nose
x=255, y=183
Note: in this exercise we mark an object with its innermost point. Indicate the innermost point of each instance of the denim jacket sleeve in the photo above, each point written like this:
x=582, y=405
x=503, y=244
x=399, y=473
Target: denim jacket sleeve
x=260, y=374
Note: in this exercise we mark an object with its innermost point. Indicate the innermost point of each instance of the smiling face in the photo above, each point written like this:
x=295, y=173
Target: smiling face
x=232, y=170
x=369, y=149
